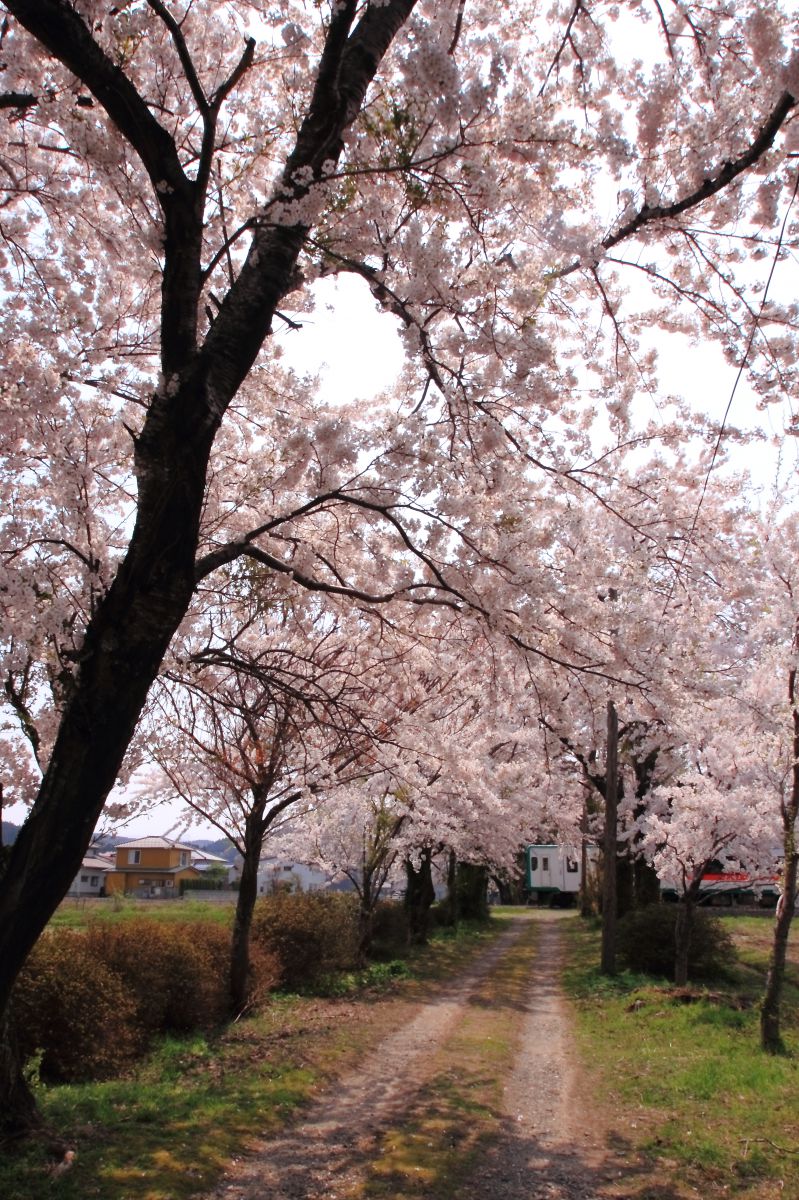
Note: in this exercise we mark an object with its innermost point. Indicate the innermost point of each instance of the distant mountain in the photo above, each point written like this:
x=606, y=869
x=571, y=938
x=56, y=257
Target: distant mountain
x=10, y=831
x=222, y=846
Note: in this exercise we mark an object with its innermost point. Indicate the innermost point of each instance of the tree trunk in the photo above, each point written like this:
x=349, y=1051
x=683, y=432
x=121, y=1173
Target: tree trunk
x=366, y=921
x=366, y=912
x=646, y=883
x=128, y=635
x=419, y=896
x=451, y=902
x=625, y=882
x=472, y=892
x=770, y=1036
x=122, y=651
x=683, y=928
x=240, y=975
x=609, y=906
x=20, y=1115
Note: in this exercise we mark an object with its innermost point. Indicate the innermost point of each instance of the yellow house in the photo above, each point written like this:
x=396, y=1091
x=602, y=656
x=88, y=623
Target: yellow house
x=151, y=867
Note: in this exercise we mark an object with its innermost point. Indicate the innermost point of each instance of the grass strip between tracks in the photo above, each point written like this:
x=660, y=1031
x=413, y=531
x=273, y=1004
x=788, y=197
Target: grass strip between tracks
x=458, y=1111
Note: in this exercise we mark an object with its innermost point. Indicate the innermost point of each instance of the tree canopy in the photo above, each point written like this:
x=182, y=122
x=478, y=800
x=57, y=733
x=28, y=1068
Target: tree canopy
x=535, y=192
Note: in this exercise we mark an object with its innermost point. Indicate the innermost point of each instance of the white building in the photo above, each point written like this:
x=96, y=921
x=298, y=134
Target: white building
x=90, y=879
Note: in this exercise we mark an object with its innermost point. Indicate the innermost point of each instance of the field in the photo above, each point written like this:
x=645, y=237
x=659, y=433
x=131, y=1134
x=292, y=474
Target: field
x=690, y=1091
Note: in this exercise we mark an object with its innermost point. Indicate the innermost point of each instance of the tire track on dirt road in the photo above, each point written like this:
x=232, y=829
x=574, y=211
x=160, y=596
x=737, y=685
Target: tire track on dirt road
x=552, y=1143
x=320, y=1157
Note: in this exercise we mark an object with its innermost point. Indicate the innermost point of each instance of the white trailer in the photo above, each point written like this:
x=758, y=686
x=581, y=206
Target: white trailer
x=553, y=873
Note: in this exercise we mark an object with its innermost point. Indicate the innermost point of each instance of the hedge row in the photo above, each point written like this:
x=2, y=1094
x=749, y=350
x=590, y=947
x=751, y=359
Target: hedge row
x=90, y=1001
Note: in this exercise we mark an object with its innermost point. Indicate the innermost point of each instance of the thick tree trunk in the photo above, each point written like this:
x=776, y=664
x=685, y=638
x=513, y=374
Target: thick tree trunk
x=625, y=883
x=130, y=632
x=419, y=896
x=770, y=1034
x=646, y=883
x=683, y=928
x=451, y=901
x=20, y=1114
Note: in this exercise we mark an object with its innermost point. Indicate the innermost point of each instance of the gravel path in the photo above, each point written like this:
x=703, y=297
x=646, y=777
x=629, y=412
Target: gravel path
x=551, y=1147
x=543, y=1153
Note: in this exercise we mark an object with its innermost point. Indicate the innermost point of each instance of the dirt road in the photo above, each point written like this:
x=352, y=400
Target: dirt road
x=547, y=1143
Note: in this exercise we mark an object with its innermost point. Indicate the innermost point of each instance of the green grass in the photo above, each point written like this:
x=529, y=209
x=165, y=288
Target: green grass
x=168, y=1130
x=708, y=1108
x=79, y=912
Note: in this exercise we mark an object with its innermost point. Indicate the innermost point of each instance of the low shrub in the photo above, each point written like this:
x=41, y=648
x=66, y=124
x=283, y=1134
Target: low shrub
x=74, y=1012
x=88, y=1001
x=645, y=942
x=310, y=933
x=176, y=973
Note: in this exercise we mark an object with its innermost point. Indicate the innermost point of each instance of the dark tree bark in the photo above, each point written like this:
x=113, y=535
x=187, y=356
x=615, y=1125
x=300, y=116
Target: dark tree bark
x=684, y=927
x=451, y=901
x=240, y=976
x=770, y=1035
x=21, y=1115
x=371, y=881
x=625, y=884
x=127, y=637
x=419, y=897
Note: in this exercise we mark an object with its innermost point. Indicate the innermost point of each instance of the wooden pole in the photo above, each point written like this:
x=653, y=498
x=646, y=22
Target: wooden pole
x=609, y=899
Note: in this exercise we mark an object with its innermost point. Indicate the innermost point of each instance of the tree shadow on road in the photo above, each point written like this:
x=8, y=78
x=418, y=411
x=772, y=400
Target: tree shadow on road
x=515, y=1166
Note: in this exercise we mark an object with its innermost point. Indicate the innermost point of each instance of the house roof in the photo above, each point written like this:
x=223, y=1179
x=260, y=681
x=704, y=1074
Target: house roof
x=153, y=843
x=198, y=855
x=92, y=862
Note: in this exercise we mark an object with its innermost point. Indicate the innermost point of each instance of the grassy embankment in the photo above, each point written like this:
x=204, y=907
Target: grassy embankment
x=167, y=1130
x=694, y=1105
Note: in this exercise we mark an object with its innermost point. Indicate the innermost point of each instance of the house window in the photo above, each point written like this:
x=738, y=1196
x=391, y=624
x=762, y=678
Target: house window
x=134, y=856
x=93, y=881
x=544, y=864
x=184, y=858
x=571, y=865
x=534, y=862
x=84, y=878
x=169, y=883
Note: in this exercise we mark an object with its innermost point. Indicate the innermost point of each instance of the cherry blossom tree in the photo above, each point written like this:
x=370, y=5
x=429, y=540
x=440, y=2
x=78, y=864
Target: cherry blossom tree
x=174, y=173
x=356, y=835
x=245, y=728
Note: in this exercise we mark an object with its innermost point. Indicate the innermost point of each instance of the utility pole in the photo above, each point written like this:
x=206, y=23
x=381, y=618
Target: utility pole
x=609, y=899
